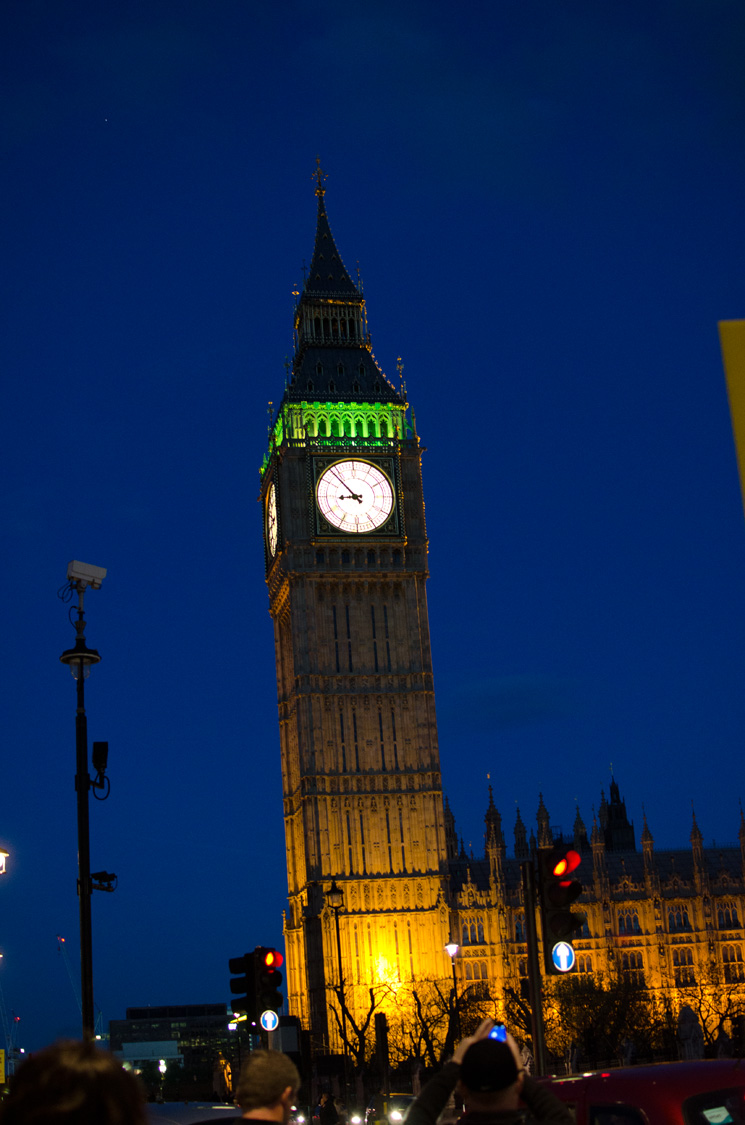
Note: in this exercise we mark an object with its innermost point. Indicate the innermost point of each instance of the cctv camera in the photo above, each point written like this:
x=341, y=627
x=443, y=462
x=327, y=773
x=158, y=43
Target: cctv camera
x=83, y=574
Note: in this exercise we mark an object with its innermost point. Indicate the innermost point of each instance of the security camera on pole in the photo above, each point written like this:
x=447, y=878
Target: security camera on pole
x=80, y=659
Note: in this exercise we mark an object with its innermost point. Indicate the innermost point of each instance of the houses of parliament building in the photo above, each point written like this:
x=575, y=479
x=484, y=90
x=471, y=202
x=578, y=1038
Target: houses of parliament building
x=377, y=884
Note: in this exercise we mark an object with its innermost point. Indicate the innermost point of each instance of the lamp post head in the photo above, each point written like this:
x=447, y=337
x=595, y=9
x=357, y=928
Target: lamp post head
x=335, y=896
x=3, y=856
x=80, y=655
x=452, y=948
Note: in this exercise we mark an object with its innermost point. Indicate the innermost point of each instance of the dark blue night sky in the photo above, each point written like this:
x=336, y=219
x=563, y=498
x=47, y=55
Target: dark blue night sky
x=546, y=203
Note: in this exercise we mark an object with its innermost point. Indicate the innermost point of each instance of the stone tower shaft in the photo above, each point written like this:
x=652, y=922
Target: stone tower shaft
x=346, y=558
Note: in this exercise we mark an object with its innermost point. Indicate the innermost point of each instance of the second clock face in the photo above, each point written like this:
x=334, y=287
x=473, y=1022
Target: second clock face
x=354, y=496
x=271, y=519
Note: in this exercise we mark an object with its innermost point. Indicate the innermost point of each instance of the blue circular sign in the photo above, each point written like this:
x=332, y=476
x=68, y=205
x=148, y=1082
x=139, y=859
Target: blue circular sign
x=269, y=1020
x=563, y=956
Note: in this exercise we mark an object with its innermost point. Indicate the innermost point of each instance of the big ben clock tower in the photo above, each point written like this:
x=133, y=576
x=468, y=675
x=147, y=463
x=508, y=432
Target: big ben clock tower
x=346, y=567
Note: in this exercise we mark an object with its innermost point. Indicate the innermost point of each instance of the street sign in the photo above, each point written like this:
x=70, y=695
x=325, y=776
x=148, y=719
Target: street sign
x=563, y=956
x=269, y=1020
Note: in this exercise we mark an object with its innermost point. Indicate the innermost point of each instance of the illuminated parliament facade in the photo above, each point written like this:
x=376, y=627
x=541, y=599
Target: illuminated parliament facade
x=377, y=881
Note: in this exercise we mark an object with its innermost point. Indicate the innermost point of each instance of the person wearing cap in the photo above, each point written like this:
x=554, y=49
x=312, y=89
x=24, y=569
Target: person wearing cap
x=490, y=1079
x=267, y=1087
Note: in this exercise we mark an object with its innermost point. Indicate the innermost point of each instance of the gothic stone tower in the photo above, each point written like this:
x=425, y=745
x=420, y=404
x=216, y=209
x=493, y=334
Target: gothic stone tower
x=346, y=567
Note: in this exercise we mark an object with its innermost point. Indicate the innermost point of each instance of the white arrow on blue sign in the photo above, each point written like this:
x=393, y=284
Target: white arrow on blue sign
x=270, y=1020
x=563, y=956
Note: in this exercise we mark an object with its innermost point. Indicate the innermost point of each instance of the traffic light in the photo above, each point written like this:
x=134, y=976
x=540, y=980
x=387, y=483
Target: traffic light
x=557, y=890
x=245, y=983
x=268, y=979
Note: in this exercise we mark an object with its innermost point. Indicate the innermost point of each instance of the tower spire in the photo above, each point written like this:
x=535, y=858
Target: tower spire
x=333, y=359
x=327, y=274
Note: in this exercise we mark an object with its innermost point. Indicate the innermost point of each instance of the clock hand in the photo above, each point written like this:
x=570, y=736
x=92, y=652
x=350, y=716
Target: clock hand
x=341, y=482
x=352, y=496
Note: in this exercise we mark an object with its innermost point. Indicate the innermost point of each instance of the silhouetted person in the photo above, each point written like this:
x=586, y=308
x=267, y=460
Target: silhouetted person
x=491, y=1080
x=73, y=1083
x=328, y=1114
x=268, y=1087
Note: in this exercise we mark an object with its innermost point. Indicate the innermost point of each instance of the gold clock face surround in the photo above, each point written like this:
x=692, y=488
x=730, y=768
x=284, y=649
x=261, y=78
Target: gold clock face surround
x=355, y=496
x=271, y=520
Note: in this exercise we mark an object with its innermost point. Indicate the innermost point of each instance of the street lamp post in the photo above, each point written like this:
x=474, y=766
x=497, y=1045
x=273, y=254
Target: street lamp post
x=79, y=660
x=335, y=899
x=452, y=948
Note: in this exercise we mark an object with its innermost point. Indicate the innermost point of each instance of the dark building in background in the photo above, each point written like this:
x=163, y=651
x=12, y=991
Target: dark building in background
x=191, y=1035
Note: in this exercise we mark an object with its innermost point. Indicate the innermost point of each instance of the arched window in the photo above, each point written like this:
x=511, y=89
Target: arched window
x=473, y=934
x=520, y=928
x=727, y=916
x=733, y=965
x=632, y=967
x=481, y=932
x=677, y=920
x=683, y=967
x=628, y=921
x=465, y=934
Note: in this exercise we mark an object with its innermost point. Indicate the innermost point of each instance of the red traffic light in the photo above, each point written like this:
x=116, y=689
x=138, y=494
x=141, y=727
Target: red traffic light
x=273, y=959
x=569, y=862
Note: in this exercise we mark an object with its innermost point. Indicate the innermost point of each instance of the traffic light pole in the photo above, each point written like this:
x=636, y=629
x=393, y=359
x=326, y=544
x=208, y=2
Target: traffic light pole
x=534, y=972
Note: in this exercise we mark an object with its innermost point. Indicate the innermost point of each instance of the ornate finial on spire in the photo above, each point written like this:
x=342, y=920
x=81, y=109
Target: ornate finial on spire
x=270, y=415
x=319, y=176
x=400, y=369
x=287, y=370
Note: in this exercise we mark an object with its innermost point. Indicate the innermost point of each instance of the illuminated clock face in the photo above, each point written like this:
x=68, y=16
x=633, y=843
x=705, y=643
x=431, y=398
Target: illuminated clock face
x=271, y=519
x=354, y=496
